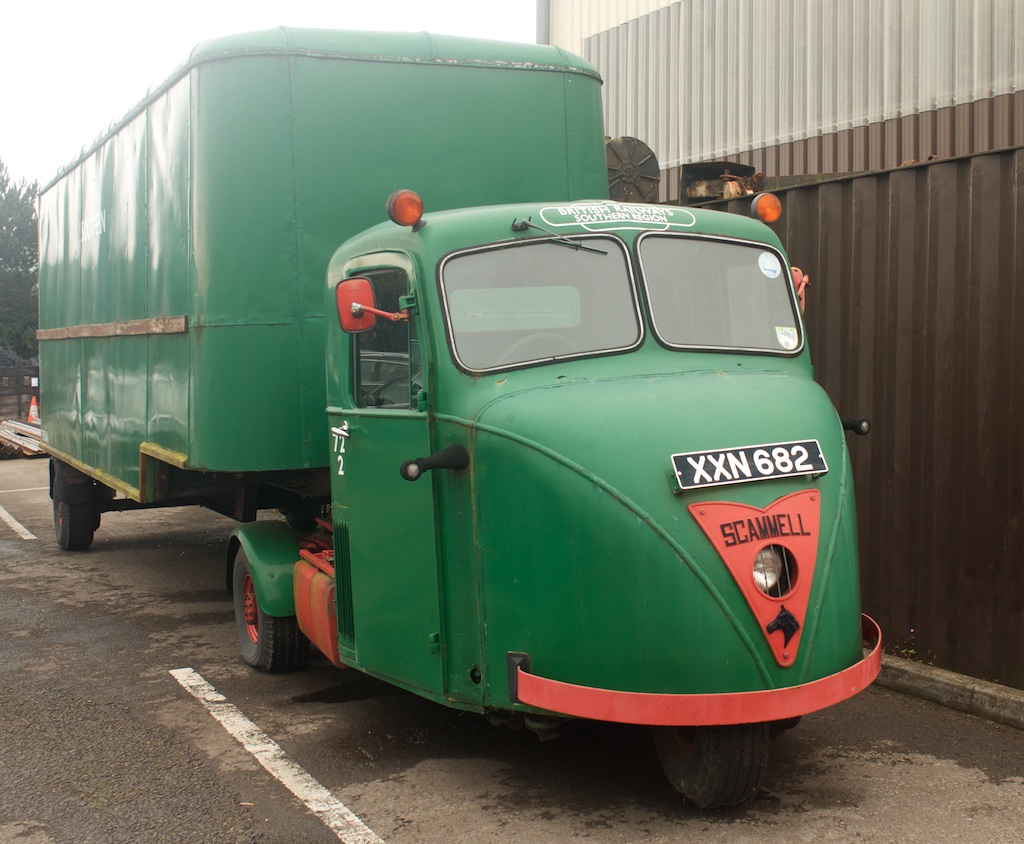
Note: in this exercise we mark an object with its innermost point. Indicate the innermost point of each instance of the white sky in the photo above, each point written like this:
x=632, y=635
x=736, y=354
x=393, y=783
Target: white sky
x=70, y=69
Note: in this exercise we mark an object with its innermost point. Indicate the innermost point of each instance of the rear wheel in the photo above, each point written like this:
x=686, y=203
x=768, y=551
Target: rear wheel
x=714, y=766
x=76, y=506
x=267, y=642
x=74, y=524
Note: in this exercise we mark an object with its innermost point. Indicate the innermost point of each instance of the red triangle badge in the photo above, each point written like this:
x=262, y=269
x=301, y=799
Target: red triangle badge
x=778, y=588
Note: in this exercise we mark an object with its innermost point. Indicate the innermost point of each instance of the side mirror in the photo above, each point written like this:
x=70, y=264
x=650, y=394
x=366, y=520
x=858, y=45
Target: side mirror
x=357, y=306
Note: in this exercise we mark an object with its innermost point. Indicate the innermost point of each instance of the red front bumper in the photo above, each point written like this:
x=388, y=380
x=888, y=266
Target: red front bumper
x=702, y=710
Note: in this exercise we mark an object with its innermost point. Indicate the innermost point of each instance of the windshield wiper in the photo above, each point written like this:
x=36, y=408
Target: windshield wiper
x=519, y=225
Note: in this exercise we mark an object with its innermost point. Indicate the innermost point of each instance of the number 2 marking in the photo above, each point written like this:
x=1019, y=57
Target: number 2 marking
x=801, y=455
x=340, y=438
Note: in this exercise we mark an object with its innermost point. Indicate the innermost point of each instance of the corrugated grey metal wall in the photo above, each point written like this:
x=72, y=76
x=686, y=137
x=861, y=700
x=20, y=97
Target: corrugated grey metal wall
x=702, y=80
x=914, y=316
x=568, y=22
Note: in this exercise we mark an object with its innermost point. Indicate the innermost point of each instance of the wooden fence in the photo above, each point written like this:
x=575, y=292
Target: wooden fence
x=18, y=384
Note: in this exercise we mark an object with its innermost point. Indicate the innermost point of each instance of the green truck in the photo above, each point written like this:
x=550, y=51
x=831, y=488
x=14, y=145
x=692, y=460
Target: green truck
x=540, y=455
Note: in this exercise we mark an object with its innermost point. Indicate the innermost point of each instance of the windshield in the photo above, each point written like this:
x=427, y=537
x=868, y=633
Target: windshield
x=538, y=301
x=719, y=294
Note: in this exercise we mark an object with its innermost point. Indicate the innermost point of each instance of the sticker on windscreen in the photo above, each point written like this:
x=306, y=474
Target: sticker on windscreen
x=770, y=265
x=787, y=337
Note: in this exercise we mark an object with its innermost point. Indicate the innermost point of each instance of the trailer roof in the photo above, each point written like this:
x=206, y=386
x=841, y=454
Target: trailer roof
x=415, y=47
x=421, y=48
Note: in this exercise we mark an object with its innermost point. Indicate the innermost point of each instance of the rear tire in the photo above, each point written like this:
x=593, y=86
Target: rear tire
x=76, y=509
x=267, y=642
x=714, y=766
x=74, y=524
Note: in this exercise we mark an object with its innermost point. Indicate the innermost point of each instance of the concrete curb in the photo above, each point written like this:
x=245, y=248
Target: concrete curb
x=966, y=694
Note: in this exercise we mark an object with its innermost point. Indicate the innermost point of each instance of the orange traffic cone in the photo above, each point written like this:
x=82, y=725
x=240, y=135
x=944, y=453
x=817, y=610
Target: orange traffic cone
x=33, y=411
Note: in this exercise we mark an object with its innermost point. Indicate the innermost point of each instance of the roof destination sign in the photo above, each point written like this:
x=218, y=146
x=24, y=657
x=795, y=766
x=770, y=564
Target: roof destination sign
x=621, y=216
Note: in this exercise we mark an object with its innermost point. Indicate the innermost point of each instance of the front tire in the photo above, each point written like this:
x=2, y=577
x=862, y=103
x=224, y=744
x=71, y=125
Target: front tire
x=714, y=767
x=267, y=642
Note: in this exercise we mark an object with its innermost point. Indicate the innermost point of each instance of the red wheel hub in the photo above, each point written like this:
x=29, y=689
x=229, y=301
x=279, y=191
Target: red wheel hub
x=250, y=609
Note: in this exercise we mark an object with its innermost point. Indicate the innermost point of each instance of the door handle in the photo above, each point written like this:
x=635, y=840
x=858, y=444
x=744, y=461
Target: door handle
x=450, y=457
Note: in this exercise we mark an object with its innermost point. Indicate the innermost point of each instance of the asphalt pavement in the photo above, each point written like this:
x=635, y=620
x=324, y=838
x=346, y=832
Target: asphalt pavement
x=101, y=743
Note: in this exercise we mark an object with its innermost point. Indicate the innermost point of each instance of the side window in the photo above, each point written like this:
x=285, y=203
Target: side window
x=386, y=359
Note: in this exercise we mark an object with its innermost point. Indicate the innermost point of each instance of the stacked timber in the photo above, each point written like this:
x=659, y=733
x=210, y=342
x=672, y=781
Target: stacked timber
x=20, y=439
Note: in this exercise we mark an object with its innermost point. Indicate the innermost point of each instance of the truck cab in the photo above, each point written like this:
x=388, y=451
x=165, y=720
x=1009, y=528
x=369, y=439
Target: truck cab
x=582, y=469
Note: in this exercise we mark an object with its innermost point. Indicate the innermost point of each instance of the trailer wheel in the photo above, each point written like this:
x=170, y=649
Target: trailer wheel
x=74, y=524
x=268, y=643
x=76, y=506
x=714, y=766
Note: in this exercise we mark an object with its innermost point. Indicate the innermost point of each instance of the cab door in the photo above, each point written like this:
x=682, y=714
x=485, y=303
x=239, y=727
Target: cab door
x=384, y=524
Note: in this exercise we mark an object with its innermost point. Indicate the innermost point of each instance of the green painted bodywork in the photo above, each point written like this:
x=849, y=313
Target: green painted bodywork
x=219, y=200
x=272, y=551
x=568, y=538
x=183, y=315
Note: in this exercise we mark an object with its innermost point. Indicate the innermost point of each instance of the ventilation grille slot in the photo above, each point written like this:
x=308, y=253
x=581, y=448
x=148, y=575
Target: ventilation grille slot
x=343, y=587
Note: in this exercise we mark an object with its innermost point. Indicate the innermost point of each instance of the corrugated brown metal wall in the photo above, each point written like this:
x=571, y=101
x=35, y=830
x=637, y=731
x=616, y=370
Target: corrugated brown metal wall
x=979, y=126
x=916, y=316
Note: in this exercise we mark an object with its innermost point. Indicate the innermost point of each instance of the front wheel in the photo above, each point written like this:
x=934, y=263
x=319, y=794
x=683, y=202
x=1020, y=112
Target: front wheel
x=268, y=643
x=714, y=766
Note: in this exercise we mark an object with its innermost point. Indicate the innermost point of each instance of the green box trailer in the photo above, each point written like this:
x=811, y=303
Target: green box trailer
x=183, y=255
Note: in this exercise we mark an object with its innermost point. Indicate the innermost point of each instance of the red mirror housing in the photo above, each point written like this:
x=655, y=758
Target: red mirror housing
x=357, y=309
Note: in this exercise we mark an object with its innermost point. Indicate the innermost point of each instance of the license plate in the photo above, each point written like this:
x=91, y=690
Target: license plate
x=697, y=469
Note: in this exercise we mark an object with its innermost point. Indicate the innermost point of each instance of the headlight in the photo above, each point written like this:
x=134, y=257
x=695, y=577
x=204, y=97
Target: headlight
x=774, y=571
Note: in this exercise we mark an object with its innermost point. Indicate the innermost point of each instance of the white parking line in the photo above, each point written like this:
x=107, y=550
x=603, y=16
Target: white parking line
x=15, y=525
x=27, y=489
x=335, y=814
